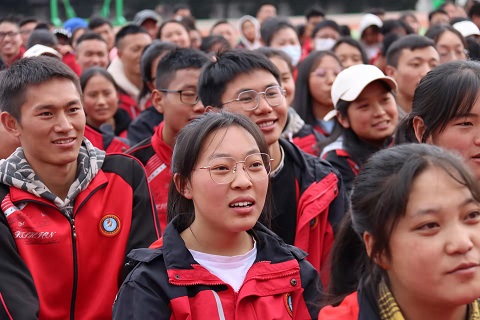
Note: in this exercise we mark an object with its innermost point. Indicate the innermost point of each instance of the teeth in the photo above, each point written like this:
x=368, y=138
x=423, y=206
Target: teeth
x=241, y=204
x=63, y=141
x=265, y=124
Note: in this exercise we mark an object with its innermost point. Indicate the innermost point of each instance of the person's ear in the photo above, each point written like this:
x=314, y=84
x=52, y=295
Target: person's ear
x=390, y=71
x=211, y=109
x=158, y=98
x=420, y=128
x=183, y=188
x=380, y=259
x=344, y=122
x=10, y=123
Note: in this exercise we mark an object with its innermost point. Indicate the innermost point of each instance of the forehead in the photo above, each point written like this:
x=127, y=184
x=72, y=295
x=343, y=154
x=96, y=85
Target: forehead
x=103, y=27
x=346, y=47
x=223, y=27
x=92, y=44
x=325, y=61
x=425, y=53
x=7, y=26
x=184, y=77
x=448, y=37
x=234, y=141
x=258, y=79
x=53, y=92
x=173, y=26
x=136, y=38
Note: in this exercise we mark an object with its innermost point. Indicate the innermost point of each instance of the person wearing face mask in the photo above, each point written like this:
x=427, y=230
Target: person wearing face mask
x=325, y=34
x=278, y=33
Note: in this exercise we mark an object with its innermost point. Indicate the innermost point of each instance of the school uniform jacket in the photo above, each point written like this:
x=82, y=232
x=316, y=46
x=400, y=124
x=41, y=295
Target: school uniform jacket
x=321, y=205
x=144, y=125
x=56, y=266
x=156, y=157
x=169, y=284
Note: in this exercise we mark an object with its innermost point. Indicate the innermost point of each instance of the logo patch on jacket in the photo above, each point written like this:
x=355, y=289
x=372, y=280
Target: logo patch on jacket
x=109, y=225
x=287, y=299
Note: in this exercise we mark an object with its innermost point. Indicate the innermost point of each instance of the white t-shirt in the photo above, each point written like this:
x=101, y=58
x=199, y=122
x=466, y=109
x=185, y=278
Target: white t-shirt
x=231, y=270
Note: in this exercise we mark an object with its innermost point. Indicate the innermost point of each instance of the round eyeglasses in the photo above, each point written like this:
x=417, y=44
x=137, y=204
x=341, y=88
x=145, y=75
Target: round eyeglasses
x=250, y=99
x=223, y=169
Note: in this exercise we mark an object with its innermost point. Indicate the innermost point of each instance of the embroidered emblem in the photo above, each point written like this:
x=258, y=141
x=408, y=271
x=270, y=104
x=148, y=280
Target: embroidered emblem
x=109, y=225
x=287, y=299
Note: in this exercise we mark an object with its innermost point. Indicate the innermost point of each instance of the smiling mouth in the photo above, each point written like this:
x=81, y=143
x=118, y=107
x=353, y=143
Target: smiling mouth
x=266, y=124
x=64, y=141
x=245, y=204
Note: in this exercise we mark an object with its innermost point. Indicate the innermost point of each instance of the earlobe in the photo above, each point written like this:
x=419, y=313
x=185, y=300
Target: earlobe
x=182, y=188
x=389, y=71
x=211, y=109
x=157, y=100
x=10, y=124
x=379, y=258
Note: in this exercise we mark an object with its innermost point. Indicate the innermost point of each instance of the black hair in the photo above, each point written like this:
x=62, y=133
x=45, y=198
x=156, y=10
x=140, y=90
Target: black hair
x=43, y=37
x=409, y=14
x=376, y=11
x=180, y=6
x=271, y=26
x=387, y=41
x=160, y=29
x=156, y=49
x=10, y=19
x=473, y=48
x=302, y=101
x=188, y=147
x=272, y=52
x=354, y=43
x=345, y=30
x=409, y=42
x=175, y=60
x=447, y=92
x=26, y=72
x=457, y=19
x=314, y=11
x=43, y=25
x=214, y=40
x=390, y=25
x=220, y=22
x=323, y=24
x=434, y=12
x=474, y=10
x=189, y=22
x=435, y=32
x=228, y=65
x=300, y=29
x=26, y=20
x=93, y=71
x=378, y=202
x=90, y=35
x=127, y=30
x=96, y=22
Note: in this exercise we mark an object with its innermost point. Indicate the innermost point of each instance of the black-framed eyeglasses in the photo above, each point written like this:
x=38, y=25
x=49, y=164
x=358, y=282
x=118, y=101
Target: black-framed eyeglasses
x=250, y=99
x=256, y=165
x=11, y=34
x=186, y=96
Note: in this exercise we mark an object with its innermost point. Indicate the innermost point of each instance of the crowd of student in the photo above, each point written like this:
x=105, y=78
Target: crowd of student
x=264, y=171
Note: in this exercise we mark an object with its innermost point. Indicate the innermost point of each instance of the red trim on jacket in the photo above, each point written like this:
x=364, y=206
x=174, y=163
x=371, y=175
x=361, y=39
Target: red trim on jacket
x=98, y=140
x=70, y=60
x=307, y=143
x=5, y=307
x=347, y=310
x=128, y=104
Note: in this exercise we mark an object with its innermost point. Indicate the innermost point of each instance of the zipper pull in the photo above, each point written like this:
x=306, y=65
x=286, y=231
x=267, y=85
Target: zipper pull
x=74, y=232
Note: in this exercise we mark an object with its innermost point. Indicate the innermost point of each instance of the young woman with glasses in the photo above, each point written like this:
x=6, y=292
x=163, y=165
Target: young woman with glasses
x=215, y=260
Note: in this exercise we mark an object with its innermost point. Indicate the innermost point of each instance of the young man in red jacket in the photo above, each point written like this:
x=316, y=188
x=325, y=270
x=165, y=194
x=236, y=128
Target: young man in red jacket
x=308, y=195
x=176, y=98
x=69, y=214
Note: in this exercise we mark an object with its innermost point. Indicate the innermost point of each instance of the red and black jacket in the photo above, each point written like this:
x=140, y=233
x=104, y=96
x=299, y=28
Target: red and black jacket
x=169, y=284
x=307, y=139
x=57, y=266
x=103, y=141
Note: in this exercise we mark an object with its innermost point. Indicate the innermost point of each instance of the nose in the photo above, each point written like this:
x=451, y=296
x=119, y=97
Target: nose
x=330, y=77
x=378, y=110
x=199, y=107
x=459, y=240
x=241, y=180
x=263, y=105
x=63, y=123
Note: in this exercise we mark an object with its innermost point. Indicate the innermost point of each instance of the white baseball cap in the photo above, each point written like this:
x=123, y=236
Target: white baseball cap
x=369, y=20
x=467, y=28
x=41, y=50
x=349, y=83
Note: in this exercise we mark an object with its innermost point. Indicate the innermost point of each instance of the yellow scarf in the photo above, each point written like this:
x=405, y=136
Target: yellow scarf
x=389, y=309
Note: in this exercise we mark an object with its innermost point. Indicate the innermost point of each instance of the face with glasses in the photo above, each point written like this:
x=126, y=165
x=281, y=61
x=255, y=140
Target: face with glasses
x=229, y=182
x=259, y=96
x=320, y=84
x=10, y=40
x=178, y=102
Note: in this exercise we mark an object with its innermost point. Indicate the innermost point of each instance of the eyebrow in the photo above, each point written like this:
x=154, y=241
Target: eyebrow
x=51, y=106
x=466, y=115
x=228, y=155
x=272, y=84
x=434, y=210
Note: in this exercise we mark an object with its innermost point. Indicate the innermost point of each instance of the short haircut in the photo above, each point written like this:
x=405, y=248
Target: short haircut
x=325, y=24
x=90, y=35
x=409, y=42
x=180, y=6
x=474, y=10
x=434, y=12
x=10, y=19
x=390, y=25
x=27, y=72
x=219, y=22
x=314, y=11
x=129, y=29
x=376, y=11
x=43, y=37
x=271, y=26
x=227, y=66
x=210, y=41
x=178, y=59
x=96, y=22
x=26, y=20
x=272, y=53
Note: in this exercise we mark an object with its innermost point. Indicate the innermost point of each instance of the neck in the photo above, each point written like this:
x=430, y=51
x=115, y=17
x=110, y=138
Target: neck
x=276, y=154
x=96, y=124
x=404, y=102
x=57, y=179
x=168, y=136
x=216, y=242
x=135, y=80
x=320, y=110
x=8, y=59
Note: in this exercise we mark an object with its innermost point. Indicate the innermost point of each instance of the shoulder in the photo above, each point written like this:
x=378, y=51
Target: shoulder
x=347, y=310
x=124, y=165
